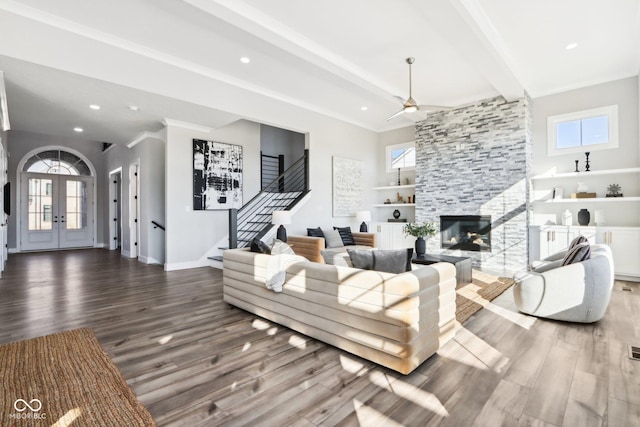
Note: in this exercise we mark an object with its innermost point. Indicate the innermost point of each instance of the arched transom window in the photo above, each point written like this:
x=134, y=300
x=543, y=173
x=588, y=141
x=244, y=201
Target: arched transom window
x=57, y=162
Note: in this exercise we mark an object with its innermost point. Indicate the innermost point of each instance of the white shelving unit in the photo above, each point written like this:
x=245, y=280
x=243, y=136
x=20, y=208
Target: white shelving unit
x=405, y=190
x=620, y=230
x=390, y=235
x=597, y=181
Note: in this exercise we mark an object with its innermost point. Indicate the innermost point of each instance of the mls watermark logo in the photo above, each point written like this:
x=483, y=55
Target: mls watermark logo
x=28, y=410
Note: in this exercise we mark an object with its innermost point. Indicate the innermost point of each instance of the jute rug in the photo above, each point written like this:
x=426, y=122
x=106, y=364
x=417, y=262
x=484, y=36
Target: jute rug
x=65, y=379
x=474, y=296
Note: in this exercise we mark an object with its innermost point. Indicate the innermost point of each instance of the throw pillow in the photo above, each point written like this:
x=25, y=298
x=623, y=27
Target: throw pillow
x=390, y=261
x=279, y=247
x=580, y=252
x=347, y=237
x=393, y=261
x=575, y=242
x=259, y=246
x=361, y=258
x=315, y=232
x=332, y=238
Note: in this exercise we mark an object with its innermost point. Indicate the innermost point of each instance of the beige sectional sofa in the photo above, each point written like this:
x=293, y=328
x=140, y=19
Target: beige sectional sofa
x=395, y=320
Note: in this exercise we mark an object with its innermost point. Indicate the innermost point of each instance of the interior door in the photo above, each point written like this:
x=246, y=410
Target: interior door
x=56, y=211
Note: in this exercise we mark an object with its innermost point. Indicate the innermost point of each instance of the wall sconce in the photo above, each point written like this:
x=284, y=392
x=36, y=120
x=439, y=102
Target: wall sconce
x=281, y=218
x=363, y=216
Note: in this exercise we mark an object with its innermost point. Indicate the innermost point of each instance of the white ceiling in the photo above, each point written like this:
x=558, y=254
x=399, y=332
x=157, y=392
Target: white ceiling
x=180, y=59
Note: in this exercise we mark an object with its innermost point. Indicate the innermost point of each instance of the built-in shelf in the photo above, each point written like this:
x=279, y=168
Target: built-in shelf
x=590, y=200
x=586, y=174
x=395, y=187
x=391, y=205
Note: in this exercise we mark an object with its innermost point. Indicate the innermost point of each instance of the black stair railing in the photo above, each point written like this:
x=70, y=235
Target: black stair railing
x=282, y=193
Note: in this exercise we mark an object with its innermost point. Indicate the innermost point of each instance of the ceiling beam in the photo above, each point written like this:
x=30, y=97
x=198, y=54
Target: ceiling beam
x=465, y=25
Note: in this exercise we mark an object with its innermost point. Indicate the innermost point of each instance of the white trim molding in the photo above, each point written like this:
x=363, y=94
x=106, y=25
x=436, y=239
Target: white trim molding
x=177, y=123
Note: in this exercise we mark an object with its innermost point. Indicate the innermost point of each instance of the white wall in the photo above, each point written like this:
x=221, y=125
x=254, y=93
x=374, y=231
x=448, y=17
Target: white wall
x=23, y=142
x=191, y=234
x=624, y=93
x=150, y=154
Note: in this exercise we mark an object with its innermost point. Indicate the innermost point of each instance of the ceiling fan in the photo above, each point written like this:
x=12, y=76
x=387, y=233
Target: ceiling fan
x=410, y=105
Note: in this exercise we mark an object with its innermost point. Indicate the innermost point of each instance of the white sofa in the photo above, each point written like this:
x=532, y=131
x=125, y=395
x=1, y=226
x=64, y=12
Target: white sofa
x=578, y=292
x=395, y=320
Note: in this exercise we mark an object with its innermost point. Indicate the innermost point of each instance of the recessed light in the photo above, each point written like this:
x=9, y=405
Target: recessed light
x=571, y=46
x=94, y=106
x=77, y=129
x=364, y=108
x=245, y=60
x=134, y=108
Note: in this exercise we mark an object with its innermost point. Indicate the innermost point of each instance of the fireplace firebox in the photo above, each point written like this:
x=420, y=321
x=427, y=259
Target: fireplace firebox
x=466, y=232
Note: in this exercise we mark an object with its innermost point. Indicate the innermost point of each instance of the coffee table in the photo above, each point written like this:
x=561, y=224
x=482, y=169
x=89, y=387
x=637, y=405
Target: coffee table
x=462, y=265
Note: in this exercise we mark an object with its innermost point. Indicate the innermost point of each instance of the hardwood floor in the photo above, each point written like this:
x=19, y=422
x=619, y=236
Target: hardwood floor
x=193, y=360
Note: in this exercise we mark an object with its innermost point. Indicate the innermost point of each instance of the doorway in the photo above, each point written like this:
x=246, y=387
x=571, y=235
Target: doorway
x=56, y=201
x=115, y=209
x=55, y=211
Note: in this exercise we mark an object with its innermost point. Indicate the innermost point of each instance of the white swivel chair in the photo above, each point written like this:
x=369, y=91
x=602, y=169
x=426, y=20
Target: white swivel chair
x=578, y=292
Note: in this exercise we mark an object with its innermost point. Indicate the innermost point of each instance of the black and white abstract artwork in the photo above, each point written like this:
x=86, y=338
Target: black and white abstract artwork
x=217, y=175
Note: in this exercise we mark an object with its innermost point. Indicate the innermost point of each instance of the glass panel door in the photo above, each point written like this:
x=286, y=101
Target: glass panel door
x=75, y=229
x=40, y=222
x=56, y=211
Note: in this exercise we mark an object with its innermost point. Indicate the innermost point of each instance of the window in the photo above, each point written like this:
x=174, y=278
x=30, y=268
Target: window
x=588, y=130
x=46, y=213
x=401, y=156
x=57, y=162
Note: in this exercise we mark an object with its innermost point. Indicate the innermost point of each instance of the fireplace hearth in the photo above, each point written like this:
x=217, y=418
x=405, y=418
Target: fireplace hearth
x=466, y=232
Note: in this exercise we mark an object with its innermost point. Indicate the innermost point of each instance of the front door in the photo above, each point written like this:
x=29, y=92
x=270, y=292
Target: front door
x=56, y=211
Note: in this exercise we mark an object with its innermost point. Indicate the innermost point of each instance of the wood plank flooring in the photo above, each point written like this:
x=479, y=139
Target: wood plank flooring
x=193, y=360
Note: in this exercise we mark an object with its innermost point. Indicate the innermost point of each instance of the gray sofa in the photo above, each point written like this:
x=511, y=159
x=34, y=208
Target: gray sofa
x=395, y=320
x=577, y=292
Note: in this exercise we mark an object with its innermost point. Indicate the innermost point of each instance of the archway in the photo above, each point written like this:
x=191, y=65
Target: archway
x=56, y=205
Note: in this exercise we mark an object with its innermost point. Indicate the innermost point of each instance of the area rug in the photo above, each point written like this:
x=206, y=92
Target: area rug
x=474, y=296
x=65, y=379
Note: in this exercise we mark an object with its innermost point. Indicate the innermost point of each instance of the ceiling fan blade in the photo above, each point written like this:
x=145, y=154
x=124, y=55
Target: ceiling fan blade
x=434, y=108
x=400, y=99
x=395, y=115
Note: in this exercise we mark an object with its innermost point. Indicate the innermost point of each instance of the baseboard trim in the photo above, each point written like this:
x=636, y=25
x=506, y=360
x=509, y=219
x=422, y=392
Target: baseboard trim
x=149, y=260
x=13, y=250
x=185, y=265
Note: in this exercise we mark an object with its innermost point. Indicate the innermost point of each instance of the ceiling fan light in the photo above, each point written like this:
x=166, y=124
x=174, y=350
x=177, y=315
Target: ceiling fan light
x=410, y=109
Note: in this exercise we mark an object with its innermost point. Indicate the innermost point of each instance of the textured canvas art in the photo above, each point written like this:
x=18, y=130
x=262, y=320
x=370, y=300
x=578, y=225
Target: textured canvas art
x=347, y=186
x=217, y=175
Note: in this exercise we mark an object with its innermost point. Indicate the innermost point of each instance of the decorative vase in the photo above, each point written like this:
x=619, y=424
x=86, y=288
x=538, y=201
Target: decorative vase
x=396, y=214
x=582, y=188
x=584, y=217
x=421, y=246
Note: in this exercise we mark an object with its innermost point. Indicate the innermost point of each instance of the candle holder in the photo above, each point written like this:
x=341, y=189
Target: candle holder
x=577, y=166
x=587, y=164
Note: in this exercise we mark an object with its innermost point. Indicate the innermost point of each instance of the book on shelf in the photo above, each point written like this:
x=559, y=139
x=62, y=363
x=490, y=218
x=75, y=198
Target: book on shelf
x=583, y=195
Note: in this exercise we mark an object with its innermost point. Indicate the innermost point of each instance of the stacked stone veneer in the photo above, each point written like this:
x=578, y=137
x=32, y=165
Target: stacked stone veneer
x=476, y=160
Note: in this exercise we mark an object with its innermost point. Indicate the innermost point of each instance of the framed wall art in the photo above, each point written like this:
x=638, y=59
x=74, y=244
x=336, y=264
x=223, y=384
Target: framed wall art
x=217, y=175
x=347, y=186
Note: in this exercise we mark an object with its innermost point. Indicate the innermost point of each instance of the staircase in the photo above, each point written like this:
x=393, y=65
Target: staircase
x=282, y=193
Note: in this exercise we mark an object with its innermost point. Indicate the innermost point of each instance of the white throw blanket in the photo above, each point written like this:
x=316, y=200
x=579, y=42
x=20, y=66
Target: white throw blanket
x=276, y=270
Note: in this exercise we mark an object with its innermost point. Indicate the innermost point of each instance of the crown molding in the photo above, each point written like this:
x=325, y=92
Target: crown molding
x=144, y=135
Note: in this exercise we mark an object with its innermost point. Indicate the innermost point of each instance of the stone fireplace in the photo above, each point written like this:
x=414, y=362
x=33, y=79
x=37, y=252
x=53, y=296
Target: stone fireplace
x=475, y=161
x=465, y=232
